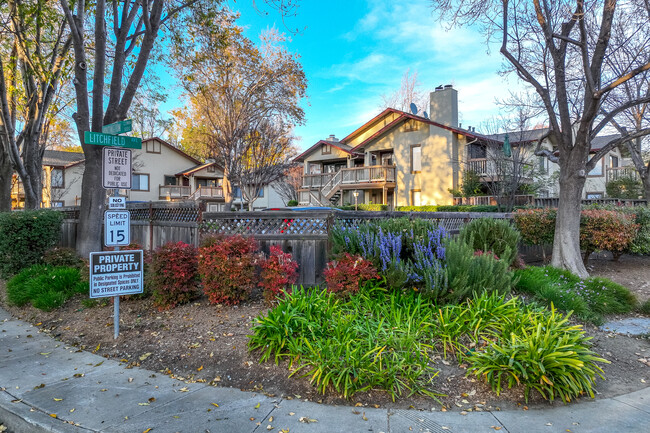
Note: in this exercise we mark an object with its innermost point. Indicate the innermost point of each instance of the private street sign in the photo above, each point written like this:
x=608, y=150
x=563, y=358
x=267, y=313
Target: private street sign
x=118, y=127
x=117, y=228
x=115, y=273
x=116, y=168
x=100, y=139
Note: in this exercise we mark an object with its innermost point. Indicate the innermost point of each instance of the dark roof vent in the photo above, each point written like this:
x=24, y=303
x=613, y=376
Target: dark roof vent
x=439, y=88
x=448, y=86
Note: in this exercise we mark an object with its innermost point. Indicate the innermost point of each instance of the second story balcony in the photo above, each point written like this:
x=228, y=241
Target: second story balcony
x=179, y=192
x=351, y=176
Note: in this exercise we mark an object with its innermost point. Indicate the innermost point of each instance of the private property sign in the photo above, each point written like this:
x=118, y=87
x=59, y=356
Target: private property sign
x=115, y=273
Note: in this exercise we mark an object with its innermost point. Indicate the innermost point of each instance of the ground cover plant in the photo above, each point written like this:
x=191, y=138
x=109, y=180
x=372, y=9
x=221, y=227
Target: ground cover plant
x=45, y=287
x=383, y=340
x=590, y=299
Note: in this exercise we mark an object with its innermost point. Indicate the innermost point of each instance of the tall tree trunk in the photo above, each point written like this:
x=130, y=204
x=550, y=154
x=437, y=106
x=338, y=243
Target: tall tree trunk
x=566, y=244
x=93, y=198
x=33, y=162
x=6, y=172
x=646, y=185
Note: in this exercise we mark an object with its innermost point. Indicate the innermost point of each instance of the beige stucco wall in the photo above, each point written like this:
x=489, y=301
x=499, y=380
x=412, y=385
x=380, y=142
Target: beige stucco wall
x=317, y=156
x=379, y=124
x=158, y=165
x=71, y=190
x=439, y=157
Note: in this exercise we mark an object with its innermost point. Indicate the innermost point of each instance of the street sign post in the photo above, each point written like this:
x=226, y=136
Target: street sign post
x=100, y=139
x=115, y=273
x=117, y=203
x=118, y=127
x=117, y=228
x=116, y=168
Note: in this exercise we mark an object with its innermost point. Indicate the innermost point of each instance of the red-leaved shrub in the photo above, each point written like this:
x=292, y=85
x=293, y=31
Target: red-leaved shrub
x=606, y=230
x=227, y=268
x=173, y=275
x=347, y=274
x=537, y=226
x=278, y=273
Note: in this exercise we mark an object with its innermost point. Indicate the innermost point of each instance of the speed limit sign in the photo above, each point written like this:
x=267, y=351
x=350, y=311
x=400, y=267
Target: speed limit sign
x=117, y=225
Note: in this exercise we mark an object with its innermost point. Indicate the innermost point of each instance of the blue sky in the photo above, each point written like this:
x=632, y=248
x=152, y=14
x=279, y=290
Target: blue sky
x=354, y=51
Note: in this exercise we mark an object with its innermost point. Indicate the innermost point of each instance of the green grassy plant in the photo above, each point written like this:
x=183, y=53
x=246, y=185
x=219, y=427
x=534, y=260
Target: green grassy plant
x=45, y=287
x=589, y=299
x=547, y=354
x=384, y=340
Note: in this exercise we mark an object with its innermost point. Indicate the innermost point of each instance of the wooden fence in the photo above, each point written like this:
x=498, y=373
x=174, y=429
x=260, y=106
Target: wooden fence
x=302, y=233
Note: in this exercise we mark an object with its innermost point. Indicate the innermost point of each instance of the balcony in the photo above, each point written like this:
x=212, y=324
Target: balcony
x=356, y=175
x=179, y=192
x=171, y=192
x=615, y=173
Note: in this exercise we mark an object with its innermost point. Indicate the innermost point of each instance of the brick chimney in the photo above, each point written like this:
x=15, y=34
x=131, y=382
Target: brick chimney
x=444, y=105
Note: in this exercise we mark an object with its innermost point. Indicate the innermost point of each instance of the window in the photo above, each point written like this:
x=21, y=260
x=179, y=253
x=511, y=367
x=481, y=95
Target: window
x=211, y=169
x=594, y=195
x=314, y=168
x=57, y=203
x=541, y=164
x=415, y=197
x=56, y=180
x=613, y=161
x=597, y=170
x=327, y=149
x=260, y=192
x=416, y=158
x=170, y=180
x=476, y=151
x=236, y=192
x=153, y=146
x=140, y=182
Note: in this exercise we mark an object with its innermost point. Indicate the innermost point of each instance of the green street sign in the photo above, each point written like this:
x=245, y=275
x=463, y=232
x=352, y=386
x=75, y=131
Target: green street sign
x=100, y=139
x=118, y=127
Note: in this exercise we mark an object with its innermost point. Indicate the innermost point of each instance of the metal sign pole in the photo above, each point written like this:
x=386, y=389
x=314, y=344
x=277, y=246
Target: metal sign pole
x=116, y=299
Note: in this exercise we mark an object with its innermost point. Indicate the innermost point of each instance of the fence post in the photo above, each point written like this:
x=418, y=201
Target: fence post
x=150, y=226
x=330, y=223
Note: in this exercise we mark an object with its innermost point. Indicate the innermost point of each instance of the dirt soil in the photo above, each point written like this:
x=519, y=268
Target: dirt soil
x=207, y=343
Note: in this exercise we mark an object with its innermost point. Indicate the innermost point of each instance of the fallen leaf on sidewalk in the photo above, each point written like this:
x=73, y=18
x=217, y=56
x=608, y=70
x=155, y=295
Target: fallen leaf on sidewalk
x=147, y=430
x=307, y=420
x=215, y=405
x=257, y=406
x=144, y=356
x=58, y=399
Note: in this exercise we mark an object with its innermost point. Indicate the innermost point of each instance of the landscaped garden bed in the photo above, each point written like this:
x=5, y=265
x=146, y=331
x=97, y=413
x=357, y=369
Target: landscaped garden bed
x=411, y=318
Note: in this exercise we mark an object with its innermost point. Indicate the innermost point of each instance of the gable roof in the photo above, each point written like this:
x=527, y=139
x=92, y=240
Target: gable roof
x=175, y=149
x=402, y=116
x=338, y=144
x=61, y=158
x=196, y=168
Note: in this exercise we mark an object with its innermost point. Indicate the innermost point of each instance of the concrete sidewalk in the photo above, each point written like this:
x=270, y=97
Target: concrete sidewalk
x=47, y=386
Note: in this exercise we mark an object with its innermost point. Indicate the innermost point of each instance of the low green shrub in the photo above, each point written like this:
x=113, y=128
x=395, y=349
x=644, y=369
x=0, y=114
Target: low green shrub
x=641, y=243
x=25, y=236
x=45, y=287
x=292, y=203
x=468, y=208
x=492, y=235
x=625, y=187
x=173, y=275
x=426, y=208
x=548, y=355
x=588, y=299
x=469, y=272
